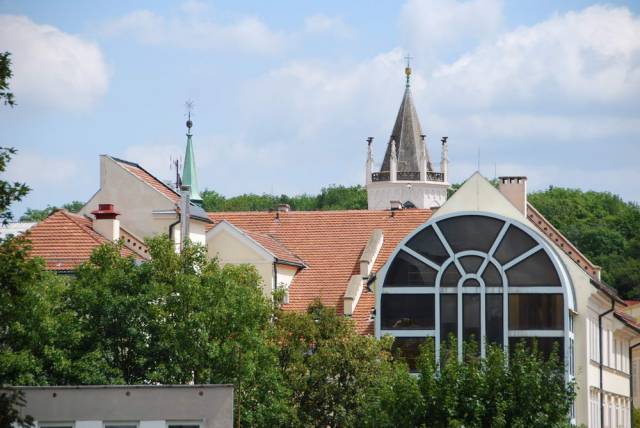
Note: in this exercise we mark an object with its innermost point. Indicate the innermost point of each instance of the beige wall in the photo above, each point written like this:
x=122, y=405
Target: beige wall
x=229, y=248
x=134, y=199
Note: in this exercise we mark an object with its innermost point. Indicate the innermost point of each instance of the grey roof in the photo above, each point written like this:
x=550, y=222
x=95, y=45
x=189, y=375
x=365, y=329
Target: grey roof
x=406, y=132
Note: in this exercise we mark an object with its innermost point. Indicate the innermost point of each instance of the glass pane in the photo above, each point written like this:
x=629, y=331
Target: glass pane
x=448, y=316
x=471, y=283
x=408, y=348
x=408, y=271
x=471, y=317
x=514, y=243
x=470, y=232
x=450, y=276
x=536, y=312
x=545, y=345
x=408, y=311
x=470, y=264
x=494, y=320
x=491, y=276
x=534, y=271
x=428, y=244
x=183, y=425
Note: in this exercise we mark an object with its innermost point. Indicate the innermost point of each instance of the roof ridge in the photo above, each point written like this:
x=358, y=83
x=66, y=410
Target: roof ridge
x=137, y=165
x=89, y=231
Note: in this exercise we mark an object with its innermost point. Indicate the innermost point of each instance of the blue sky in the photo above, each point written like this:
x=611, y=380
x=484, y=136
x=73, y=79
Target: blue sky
x=286, y=93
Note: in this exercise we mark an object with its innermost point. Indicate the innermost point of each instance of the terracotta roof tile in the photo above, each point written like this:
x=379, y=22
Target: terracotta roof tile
x=65, y=240
x=275, y=247
x=148, y=178
x=330, y=243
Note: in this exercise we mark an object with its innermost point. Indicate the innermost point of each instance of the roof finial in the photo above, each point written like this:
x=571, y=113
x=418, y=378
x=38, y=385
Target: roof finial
x=189, y=106
x=407, y=69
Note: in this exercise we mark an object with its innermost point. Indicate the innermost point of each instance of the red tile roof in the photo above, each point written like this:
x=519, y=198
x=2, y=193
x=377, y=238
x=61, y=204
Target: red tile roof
x=275, y=247
x=330, y=243
x=148, y=178
x=65, y=240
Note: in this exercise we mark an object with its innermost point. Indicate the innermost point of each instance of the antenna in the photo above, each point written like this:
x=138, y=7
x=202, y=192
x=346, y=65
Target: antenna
x=478, y=159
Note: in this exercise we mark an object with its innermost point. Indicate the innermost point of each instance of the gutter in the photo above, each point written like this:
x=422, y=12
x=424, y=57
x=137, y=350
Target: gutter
x=172, y=225
x=631, y=407
x=613, y=305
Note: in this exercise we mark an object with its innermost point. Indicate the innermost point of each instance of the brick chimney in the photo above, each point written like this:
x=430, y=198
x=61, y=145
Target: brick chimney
x=283, y=208
x=106, y=223
x=515, y=190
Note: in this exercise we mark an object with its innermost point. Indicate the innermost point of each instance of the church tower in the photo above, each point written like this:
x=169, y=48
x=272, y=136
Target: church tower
x=407, y=178
x=189, y=176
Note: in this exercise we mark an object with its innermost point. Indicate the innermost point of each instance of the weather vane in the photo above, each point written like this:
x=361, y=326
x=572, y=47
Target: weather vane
x=188, y=105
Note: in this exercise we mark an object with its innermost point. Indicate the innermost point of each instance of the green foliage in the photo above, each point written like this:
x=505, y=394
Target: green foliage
x=604, y=227
x=5, y=75
x=330, y=198
x=529, y=391
x=32, y=214
x=11, y=415
x=341, y=378
x=635, y=418
x=9, y=192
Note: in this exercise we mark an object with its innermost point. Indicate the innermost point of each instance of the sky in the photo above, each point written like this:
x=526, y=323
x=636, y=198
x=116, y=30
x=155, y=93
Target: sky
x=285, y=93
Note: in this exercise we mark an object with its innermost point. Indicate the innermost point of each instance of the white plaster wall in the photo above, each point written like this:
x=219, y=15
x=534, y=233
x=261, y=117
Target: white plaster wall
x=422, y=194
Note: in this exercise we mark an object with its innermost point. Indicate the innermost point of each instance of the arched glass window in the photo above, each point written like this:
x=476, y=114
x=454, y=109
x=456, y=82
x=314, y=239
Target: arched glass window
x=476, y=276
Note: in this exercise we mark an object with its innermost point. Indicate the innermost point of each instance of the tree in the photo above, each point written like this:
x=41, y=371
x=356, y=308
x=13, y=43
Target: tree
x=341, y=378
x=9, y=192
x=178, y=318
x=32, y=214
x=604, y=227
x=5, y=76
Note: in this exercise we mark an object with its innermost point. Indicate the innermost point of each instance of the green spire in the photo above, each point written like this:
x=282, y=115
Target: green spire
x=189, y=176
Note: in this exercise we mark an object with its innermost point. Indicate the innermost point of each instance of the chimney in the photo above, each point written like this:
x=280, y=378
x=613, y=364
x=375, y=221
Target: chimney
x=283, y=208
x=515, y=190
x=106, y=223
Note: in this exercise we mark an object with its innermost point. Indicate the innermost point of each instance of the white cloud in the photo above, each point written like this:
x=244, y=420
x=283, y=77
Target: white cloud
x=321, y=23
x=195, y=30
x=38, y=170
x=432, y=27
x=578, y=61
x=52, y=68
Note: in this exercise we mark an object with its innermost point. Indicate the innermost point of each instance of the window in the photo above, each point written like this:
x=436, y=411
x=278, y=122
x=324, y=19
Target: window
x=488, y=278
x=545, y=345
x=494, y=321
x=448, y=316
x=408, y=271
x=408, y=311
x=183, y=424
x=427, y=244
x=120, y=425
x=535, y=312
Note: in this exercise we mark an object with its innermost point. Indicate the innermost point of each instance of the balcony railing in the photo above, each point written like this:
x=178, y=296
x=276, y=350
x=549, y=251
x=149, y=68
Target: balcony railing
x=407, y=176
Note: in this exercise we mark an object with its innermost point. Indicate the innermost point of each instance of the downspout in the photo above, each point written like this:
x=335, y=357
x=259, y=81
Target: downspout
x=631, y=379
x=275, y=275
x=172, y=225
x=613, y=305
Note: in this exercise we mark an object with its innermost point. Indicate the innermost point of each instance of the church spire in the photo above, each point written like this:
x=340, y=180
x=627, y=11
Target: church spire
x=189, y=176
x=407, y=134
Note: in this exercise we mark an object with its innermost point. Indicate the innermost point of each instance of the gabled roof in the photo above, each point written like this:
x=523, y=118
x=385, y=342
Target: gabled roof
x=330, y=243
x=65, y=240
x=262, y=243
x=149, y=179
x=407, y=135
x=628, y=320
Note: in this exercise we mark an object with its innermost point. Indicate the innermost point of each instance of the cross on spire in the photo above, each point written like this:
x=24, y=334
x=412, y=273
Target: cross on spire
x=407, y=69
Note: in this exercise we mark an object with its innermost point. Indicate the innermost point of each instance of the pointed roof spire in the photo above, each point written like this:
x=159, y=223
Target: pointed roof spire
x=407, y=134
x=189, y=175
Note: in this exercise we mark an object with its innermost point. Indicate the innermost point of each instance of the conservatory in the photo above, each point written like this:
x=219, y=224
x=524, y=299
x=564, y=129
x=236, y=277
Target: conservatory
x=476, y=276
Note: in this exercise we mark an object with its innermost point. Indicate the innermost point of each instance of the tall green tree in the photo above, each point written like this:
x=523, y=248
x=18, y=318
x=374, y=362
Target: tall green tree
x=6, y=96
x=604, y=227
x=10, y=192
x=33, y=214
